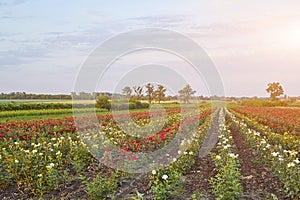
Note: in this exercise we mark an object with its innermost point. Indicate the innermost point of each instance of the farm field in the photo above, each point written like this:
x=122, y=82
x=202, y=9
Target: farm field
x=255, y=154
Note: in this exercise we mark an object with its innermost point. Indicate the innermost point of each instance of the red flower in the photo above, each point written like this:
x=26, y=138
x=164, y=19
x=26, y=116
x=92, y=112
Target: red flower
x=150, y=138
x=163, y=137
x=1, y=135
x=106, y=149
x=133, y=157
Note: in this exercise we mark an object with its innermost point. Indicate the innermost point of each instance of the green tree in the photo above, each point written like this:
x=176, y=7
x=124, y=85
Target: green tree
x=150, y=92
x=160, y=93
x=186, y=93
x=103, y=102
x=127, y=91
x=138, y=90
x=275, y=90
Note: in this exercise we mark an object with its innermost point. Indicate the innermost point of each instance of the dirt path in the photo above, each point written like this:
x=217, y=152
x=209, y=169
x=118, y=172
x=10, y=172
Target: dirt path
x=198, y=177
x=257, y=181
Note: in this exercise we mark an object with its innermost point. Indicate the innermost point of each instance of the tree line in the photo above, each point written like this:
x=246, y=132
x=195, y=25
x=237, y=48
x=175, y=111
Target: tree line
x=24, y=95
x=156, y=93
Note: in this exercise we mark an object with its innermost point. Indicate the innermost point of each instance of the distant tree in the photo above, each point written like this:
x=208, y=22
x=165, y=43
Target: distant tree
x=160, y=93
x=275, y=90
x=138, y=90
x=103, y=102
x=150, y=92
x=127, y=91
x=186, y=93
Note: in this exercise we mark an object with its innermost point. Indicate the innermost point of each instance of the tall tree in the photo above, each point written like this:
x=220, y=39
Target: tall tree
x=275, y=90
x=160, y=93
x=138, y=90
x=127, y=91
x=150, y=92
x=186, y=93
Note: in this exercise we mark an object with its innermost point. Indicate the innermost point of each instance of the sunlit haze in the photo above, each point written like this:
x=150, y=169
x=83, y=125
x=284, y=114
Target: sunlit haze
x=44, y=43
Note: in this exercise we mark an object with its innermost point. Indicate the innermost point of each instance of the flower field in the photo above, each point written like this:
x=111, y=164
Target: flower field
x=281, y=120
x=255, y=155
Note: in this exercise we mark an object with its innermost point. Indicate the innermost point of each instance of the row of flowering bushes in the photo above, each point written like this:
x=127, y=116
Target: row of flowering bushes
x=39, y=155
x=280, y=120
x=286, y=140
x=226, y=184
x=279, y=152
x=167, y=180
x=40, y=165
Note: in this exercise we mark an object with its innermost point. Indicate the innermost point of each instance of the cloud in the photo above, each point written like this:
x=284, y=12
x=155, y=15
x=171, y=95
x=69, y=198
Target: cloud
x=161, y=20
x=12, y=2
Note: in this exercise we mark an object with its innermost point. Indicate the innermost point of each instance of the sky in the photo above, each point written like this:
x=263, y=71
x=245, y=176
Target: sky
x=44, y=44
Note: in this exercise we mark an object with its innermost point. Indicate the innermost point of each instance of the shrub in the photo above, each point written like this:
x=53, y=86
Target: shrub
x=103, y=102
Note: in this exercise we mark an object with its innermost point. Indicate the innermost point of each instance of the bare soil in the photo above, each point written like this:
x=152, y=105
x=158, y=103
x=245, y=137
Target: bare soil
x=257, y=180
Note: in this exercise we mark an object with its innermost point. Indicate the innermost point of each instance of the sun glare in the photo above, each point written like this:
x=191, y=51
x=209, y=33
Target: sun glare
x=293, y=36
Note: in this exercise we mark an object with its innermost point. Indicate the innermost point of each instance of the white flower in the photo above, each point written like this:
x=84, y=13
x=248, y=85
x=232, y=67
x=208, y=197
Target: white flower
x=232, y=155
x=26, y=151
x=16, y=143
x=185, y=153
x=40, y=154
x=174, y=159
x=165, y=177
x=167, y=155
x=16, y=161
x=34, y=151
x=40, y=175
x=191, y=153
x=275, y=154
x=297, y=161
x=179, y=152
x=50, y=166
x=153, y=172
x=293, y=153
x=291, y=164
x=218, y=157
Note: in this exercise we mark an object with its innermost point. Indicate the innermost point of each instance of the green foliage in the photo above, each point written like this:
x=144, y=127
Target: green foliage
x=263, y=103
x=103, y=102
x=40, y=166
x=186, y=93
x=41, y=106
x=226, y=184
x=164, y=183
x=101, y=187
x=129, y=105
x=278, y=152
x=150, y=94
x=160, y=93
x=275, y=90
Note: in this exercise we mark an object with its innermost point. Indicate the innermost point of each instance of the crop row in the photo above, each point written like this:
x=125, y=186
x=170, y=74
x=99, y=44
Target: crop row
x=279, y=152
x=39, y=155
x=226, y=184
x=281, y=120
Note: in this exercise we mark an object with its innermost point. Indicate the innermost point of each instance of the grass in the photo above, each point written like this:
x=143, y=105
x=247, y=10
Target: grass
x=25, y=115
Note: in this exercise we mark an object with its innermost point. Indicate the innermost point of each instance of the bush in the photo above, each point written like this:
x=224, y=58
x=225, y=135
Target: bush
x=263, y=103
x=129, y=105
x=103, y=102
x=101, y=187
